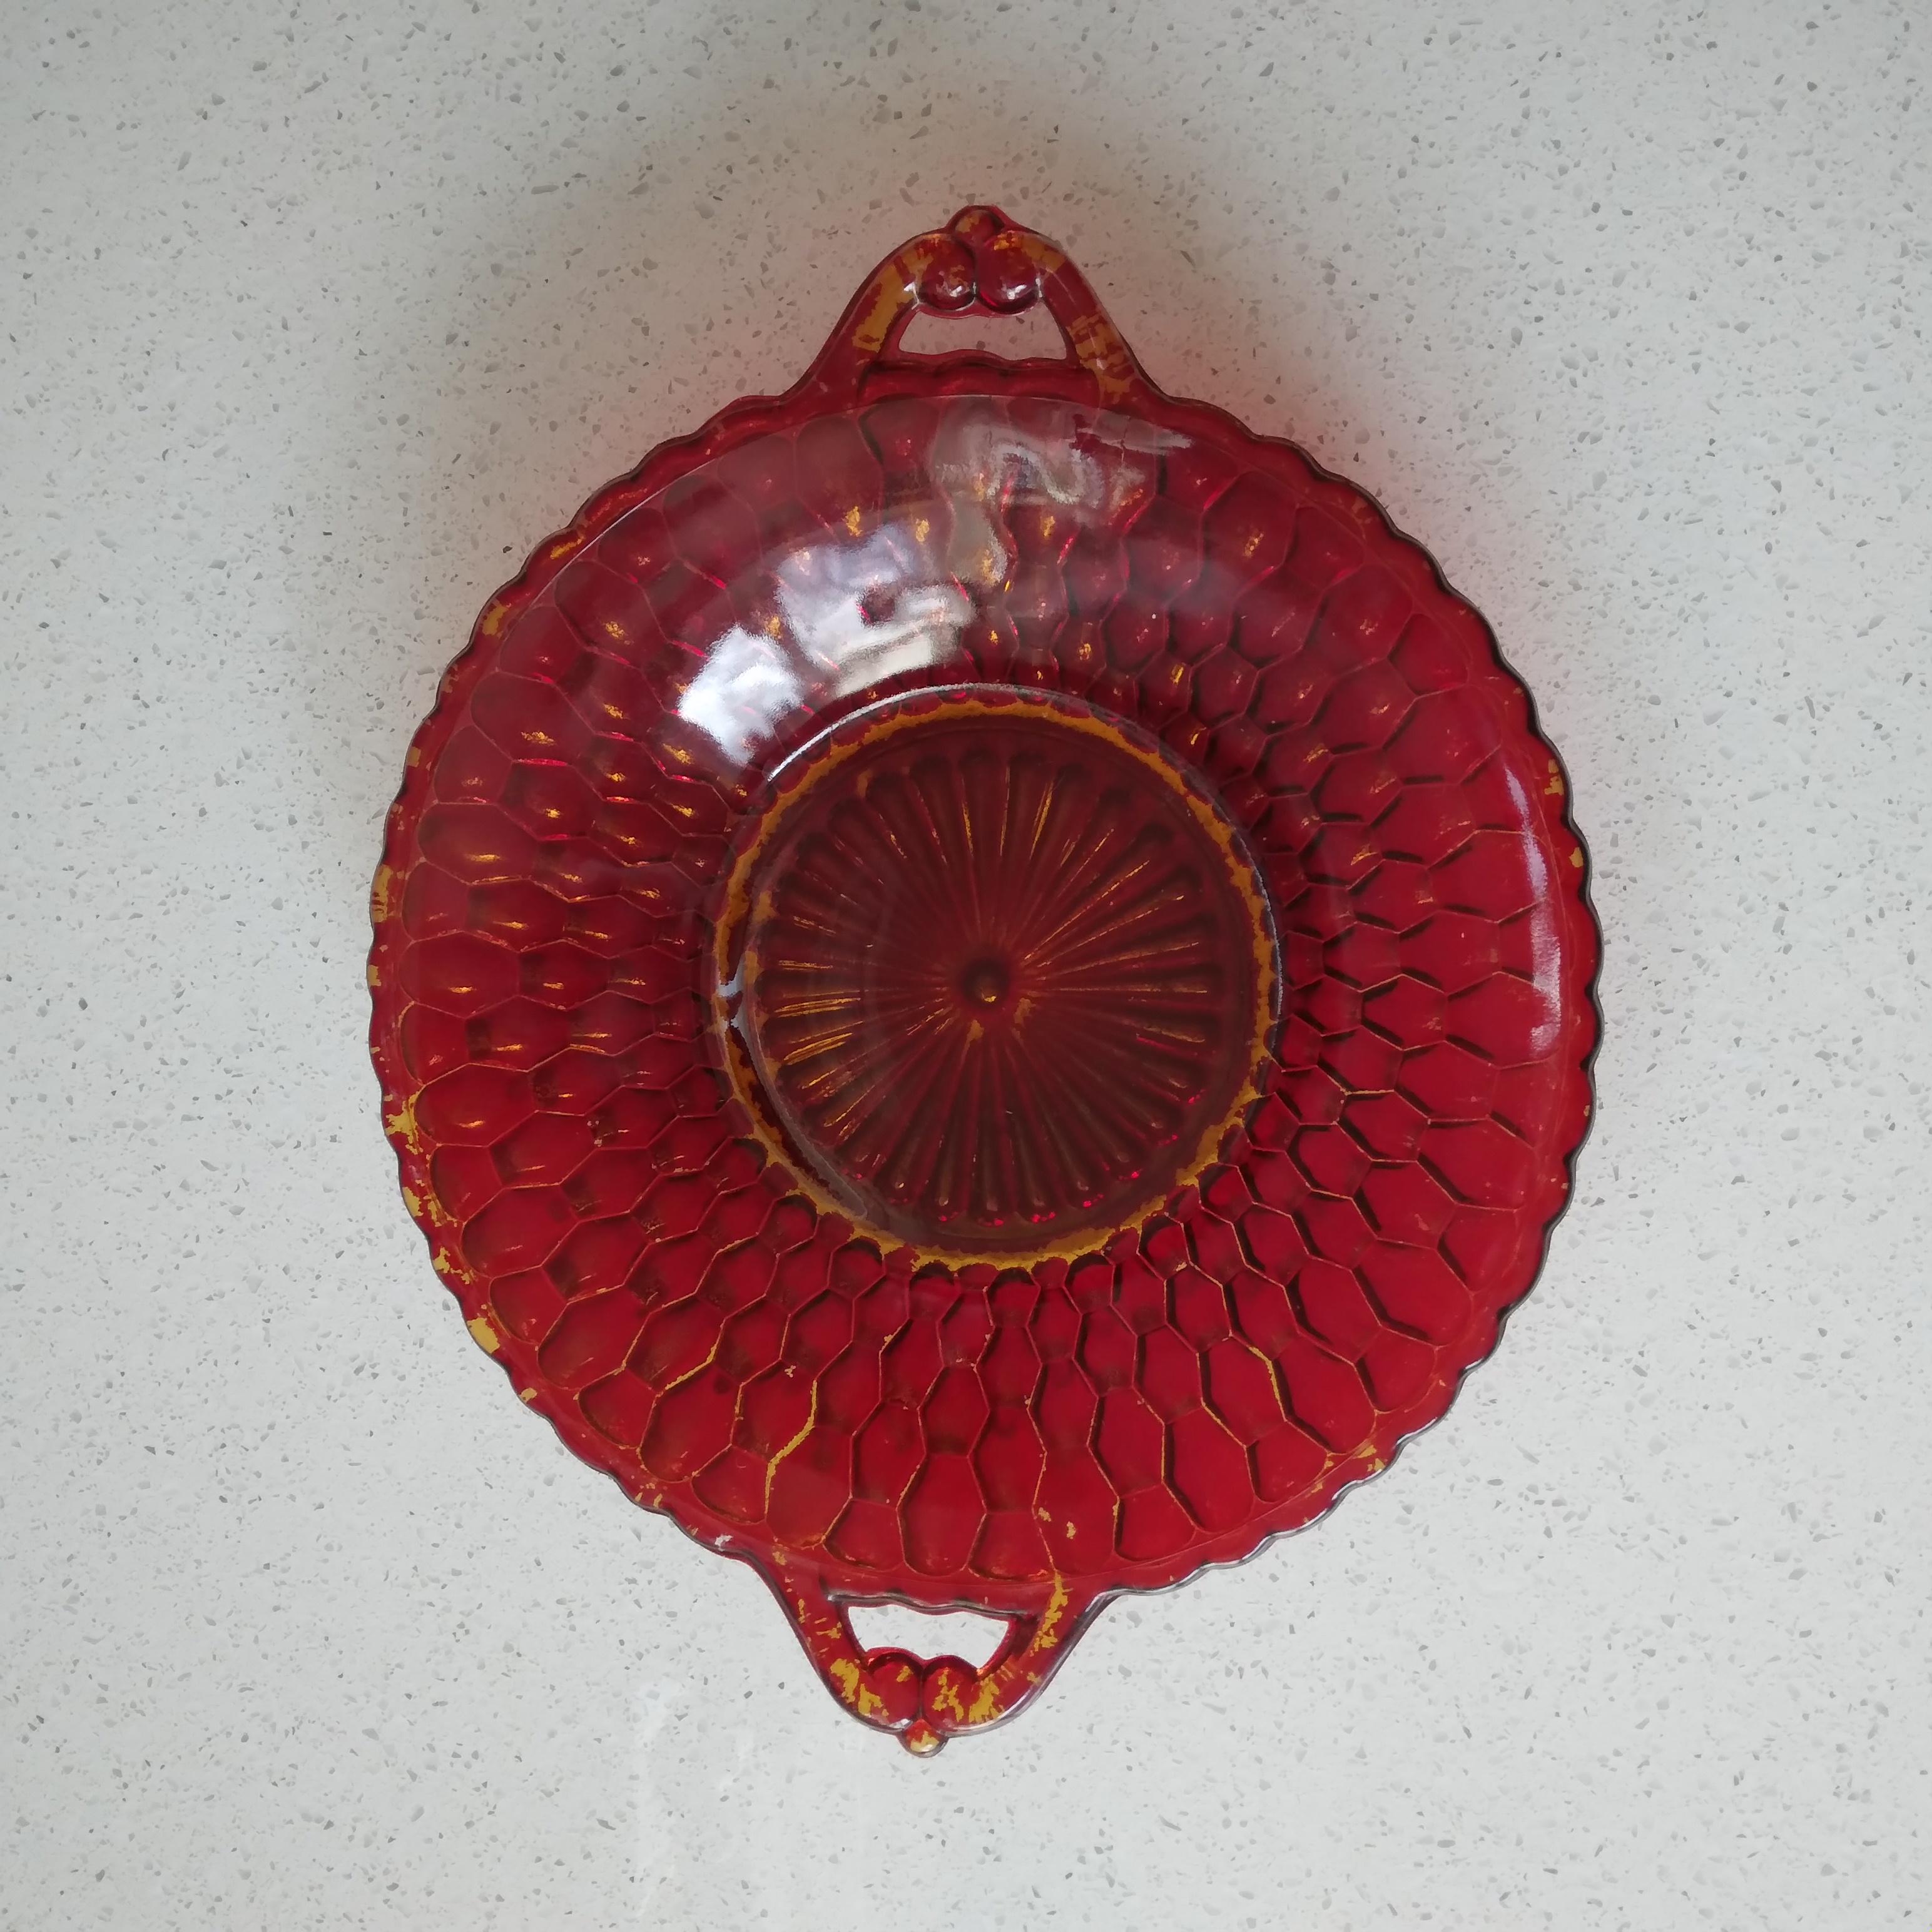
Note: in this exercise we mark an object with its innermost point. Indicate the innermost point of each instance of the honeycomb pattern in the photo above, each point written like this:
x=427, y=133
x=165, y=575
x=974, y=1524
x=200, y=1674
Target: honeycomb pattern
x=859, y=1416
x=1316, y=1296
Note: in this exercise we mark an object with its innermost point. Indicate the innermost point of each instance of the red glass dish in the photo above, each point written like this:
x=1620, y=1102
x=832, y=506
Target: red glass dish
x=982, y=984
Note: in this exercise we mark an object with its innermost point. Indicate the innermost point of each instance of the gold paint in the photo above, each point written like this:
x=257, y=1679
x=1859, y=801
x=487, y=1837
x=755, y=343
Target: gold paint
x=985, y=567
x=890, y=293
x=1022, y=1672
x=738, y=908
x=401, y=1126
x=527, y=1395
x=810, y=1417
x=374, y=975
x=414, y=757
x=1048, y=1633
x=868, y=332
x=379, y=905
x=1576, y=858
x=988, y=1703
x=854, y=520
x=822, y=1625
x=946, y=1702
x=487, y=1337
x=413, y=1200
x=492, y=621
x=850, y=1675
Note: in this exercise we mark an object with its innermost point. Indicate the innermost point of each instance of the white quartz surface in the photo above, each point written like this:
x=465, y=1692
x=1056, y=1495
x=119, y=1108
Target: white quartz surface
x=316, y=317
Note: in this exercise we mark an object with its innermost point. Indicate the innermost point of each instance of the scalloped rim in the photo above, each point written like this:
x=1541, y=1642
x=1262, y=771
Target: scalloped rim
x=738, y=422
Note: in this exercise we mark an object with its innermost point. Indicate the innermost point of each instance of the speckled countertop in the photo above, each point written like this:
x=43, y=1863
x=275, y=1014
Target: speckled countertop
x=315, y=319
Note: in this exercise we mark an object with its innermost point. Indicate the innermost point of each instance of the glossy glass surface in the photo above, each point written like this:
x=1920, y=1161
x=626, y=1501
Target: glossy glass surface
x=983, y=984
x=1002, y=976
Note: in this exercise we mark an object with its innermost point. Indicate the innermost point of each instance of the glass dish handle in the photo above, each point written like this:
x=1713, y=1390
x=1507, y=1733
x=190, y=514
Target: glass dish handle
x=979, y=263
x=925, y=1700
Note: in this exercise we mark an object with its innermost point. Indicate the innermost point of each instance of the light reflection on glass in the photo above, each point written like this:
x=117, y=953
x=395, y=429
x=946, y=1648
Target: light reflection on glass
x=855, y=612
